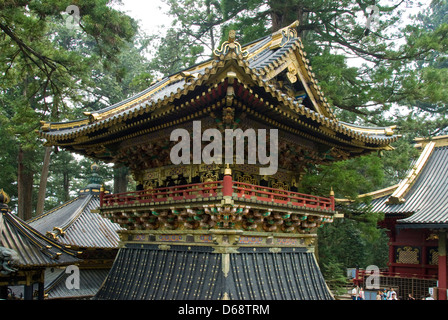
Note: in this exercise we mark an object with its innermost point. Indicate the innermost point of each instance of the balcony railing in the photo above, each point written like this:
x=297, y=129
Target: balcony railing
x=225, y=187
x=183, y=192
x=245, y=190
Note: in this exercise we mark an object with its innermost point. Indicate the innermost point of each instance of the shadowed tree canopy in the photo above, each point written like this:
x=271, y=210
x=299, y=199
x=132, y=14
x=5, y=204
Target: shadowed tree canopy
x=47, y=68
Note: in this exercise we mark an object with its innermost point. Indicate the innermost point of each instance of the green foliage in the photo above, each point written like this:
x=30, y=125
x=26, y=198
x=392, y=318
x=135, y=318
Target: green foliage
x=333, y=273
x=359, y=175
x=50, y=72
x=396, y=163
x=8, y=159
x=174, y=53
x=333, y=32
x=69, y=174
x=352, y=243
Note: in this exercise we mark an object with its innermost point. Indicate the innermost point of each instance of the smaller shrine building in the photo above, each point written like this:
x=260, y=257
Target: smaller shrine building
x=77, y=224
x=25, y=254
x=416, y=217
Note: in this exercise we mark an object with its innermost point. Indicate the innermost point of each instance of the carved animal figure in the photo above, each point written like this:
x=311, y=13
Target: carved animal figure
x=9, y=259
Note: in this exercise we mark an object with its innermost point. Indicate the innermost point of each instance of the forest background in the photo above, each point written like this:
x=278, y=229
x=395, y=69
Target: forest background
x=54, y=67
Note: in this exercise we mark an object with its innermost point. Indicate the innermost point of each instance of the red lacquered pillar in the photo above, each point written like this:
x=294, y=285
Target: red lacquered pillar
x=227, y=187
x=442, y=266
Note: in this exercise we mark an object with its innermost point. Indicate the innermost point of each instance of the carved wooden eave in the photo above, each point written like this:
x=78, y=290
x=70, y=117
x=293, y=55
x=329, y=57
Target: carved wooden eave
x=233, y=79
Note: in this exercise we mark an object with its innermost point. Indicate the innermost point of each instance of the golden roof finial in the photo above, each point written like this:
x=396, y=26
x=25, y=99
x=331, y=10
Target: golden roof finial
x=232, y=36
x=4, y=198
x=230, y=45
x=295, y=24
x=227, y=170
x=94, y=166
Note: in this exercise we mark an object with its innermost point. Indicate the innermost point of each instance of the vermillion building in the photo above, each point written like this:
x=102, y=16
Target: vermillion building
x=416, y=217
x=221, y=230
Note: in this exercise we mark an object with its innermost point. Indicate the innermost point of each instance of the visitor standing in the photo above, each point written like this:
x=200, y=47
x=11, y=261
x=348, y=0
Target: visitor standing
x=384, y=294
x=355, y=292
x=361, y=295
x=390, y=293
x=410, y=297
x=379, y=295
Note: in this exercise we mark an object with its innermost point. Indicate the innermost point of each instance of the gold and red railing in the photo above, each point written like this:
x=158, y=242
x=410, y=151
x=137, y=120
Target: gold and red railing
x=215, y=189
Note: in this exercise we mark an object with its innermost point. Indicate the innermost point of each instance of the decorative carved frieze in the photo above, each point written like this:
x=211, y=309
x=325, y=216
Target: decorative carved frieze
x=219, y=217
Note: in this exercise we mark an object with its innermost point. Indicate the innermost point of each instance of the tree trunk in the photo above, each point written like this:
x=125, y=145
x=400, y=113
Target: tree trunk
x=283, y=13
x=66, y=185
x=43, y=182
x=209, y=17
x=24, y=187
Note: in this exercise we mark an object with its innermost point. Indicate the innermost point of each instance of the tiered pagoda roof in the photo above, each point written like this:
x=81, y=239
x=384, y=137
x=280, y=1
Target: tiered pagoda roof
x=270, y=79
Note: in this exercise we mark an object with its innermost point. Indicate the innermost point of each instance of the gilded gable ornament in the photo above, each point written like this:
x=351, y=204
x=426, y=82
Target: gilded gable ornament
x=4, y=198
x=292, y=73
x=230, y=45
x=228, y=116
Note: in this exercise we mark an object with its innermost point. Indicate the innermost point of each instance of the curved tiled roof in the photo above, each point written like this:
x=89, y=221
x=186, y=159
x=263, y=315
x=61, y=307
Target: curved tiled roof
x=428, y=197
x=79, y=225
x=33, y=248
x=423, y=195
x=145, y=272
x=56, y=288
x=173, y=97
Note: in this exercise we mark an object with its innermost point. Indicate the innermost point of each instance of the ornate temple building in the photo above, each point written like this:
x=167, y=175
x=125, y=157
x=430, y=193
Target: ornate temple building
x=214, y=216
x=416, y=217
x=77, y=224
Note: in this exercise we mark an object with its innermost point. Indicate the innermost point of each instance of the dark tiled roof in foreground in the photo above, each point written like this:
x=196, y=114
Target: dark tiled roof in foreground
x=89, y=282
x=425, y=198
x=145, y=272
x=55, y=284
x=33, y=248
x=81, y=227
